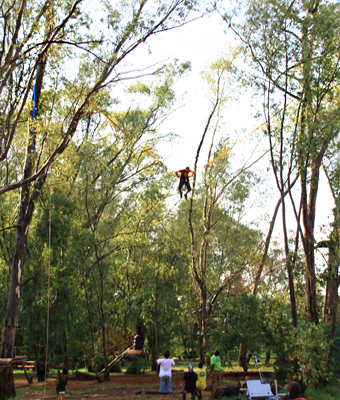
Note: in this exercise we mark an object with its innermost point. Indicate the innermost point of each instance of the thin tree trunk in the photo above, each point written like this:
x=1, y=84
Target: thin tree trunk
x=268, y=238
x=106, y=373
x=154, y=352
x=91, y=329
x=305, y=159
x=242, y=357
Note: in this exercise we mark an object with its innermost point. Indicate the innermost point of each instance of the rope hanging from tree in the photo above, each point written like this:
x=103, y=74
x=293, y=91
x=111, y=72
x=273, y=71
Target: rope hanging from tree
x=33, y=116
x=249, y=134
x=49, y=281
x=118, y=127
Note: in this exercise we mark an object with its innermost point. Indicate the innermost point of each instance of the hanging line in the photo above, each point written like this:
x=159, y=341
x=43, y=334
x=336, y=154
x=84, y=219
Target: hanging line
x=254, y=130
x=118, y=127
x=41, y=61
x=49, y=280
x=33, y=115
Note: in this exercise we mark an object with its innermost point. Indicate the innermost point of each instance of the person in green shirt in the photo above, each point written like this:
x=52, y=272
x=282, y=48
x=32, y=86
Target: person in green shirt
x=215, y=366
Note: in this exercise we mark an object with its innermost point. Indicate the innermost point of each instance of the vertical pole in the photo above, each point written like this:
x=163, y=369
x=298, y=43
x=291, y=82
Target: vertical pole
x=276, y=389
x=143, y=394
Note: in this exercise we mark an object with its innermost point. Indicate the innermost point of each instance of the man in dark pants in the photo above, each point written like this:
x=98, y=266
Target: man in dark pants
x=183, y=175
x=190, y=383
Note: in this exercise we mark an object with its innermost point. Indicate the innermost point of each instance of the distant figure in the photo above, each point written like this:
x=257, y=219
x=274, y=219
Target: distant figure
x=165, y=372
x=61, y=382
x=294, y=392
x=202, y=380
x=215, y=366
x=190, y=378
x=138, y=340
x=183, y=175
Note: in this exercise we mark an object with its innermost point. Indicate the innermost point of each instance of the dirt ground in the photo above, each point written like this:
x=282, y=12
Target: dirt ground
x=120, y=387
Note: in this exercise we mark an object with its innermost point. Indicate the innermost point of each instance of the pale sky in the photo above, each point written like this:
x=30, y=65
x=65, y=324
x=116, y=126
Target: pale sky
x=201, y=42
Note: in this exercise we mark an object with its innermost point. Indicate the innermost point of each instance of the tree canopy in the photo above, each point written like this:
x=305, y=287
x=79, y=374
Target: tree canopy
x=93, y=241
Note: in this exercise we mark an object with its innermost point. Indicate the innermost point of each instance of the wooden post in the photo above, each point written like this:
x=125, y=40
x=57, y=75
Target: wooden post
x=143, y=394
x=276, y=390
x=61, y=395
x=212, y=391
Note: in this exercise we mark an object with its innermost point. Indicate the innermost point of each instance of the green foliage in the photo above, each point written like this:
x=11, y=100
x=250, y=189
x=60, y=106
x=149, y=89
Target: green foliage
x=119, y=254
x=330, y=392
x=138, y=366
x=238, y=320
x=310, y=347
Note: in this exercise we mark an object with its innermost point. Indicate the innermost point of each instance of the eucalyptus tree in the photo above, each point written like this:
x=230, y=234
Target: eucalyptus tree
x=332, y=243
x=293, y=49
x=37, y=36
x=111, y=169
x=222, y=199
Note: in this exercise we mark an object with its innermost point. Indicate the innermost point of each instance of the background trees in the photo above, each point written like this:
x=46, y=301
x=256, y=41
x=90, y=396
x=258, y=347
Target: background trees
x=294, y=57
x=26, y=49
x=97, y=217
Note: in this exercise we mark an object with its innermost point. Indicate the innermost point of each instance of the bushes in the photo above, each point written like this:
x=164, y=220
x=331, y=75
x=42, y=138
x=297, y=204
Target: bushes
x=310, y=347
x=138, y=366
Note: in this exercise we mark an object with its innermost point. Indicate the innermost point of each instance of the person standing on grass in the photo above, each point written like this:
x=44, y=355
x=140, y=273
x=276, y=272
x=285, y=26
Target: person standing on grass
x=294, y=392
x=190, y=378
x=165, y=365
x=201, y=380
x=215, y=366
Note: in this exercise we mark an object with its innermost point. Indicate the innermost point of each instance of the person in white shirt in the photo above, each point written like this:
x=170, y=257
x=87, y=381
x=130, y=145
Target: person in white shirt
x=165, y=365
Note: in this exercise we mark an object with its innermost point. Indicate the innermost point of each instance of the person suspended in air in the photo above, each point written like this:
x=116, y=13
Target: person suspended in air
x=183, y=175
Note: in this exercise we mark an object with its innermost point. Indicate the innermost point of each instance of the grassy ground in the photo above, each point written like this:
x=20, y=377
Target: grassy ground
x=330, y=392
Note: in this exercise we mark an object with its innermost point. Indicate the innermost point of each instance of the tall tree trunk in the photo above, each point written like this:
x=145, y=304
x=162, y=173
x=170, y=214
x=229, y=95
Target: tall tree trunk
x=331, y=296
x=332, y=281
x=25, y=214
x=91, y=328
x=7, y=389
x=309, y=158
x=205, y=322
x=308, y=239
x=106, y=373
x=154, y=353
x=268, y=238
x=242, y=357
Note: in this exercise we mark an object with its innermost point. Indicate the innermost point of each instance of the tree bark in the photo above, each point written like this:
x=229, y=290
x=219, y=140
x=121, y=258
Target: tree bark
x=242, y=357
x=268, y=238
x=331, y=296
x=7, y=383
x=305, y=159
x=154, y=352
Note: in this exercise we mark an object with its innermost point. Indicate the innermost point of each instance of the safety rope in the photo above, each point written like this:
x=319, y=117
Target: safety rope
x=33, y=115
x=49, y=280
x=249, y=134
x=117, y=126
